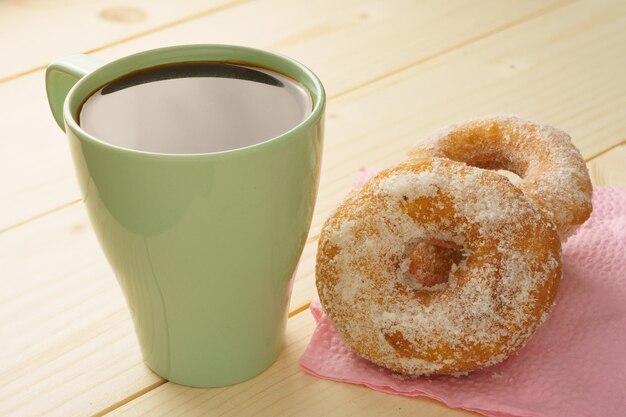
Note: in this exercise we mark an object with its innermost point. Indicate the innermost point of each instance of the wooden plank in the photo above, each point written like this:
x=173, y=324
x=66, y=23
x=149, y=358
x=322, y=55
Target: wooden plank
x=328, y=42
x=608, y=168
x=370, y=126
x=68, y=346
x=361, y=40
x=74, y=26
x=283, y=390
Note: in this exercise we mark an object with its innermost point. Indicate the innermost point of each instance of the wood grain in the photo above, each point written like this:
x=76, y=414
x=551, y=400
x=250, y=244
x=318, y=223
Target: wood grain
x=36, y=32
x=608, y=168
x=330, y=43
x=68, y=345
x=283, y=390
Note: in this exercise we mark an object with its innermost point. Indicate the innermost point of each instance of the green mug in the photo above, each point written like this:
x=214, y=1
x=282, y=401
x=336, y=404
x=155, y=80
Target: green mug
x=205, y=246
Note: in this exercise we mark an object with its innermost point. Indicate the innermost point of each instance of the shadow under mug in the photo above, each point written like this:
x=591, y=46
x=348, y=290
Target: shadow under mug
x=205, y=246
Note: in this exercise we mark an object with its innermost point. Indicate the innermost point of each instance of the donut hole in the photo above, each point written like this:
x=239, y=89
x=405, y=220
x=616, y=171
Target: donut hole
x=512, y=176
x=501, y=164
x=430, y=264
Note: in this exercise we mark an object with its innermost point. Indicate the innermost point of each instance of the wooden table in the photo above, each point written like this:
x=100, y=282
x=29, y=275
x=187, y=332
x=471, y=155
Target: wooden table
x=394, y=70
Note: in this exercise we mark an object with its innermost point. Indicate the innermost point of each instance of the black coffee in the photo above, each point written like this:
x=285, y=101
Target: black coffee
x=195, y=107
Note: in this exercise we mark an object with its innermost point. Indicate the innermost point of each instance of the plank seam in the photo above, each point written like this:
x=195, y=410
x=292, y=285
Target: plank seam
x=130, y=398
x=299, y=310
x=137, y=35
x=467, y=42
x=605, y=151
x=37, y=216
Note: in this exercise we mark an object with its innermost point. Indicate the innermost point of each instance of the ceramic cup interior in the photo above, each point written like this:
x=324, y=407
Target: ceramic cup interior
x=195, y=107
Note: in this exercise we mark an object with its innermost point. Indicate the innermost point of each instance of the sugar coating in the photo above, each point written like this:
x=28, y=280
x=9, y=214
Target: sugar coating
x=495, y=298
x=554, y=174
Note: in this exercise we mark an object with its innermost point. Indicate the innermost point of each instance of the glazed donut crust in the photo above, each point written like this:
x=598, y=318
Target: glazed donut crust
x=496, y=297
x=554, y=174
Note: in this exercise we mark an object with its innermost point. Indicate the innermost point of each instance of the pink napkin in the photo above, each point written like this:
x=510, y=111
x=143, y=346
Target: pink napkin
x=574, y=366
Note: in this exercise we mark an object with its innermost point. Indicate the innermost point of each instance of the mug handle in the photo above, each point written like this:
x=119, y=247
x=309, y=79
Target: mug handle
x=61, y=75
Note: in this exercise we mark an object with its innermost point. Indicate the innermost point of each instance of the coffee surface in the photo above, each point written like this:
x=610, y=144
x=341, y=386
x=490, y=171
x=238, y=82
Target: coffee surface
x=195, y=107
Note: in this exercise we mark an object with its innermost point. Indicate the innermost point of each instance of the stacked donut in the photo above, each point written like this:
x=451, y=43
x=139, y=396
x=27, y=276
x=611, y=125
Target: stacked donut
x=439, y=265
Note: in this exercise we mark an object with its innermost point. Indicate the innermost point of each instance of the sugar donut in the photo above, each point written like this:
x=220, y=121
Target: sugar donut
x=554, y=174
x=496, y=296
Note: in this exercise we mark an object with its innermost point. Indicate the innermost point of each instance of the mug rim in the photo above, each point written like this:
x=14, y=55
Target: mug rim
x=241, y=55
